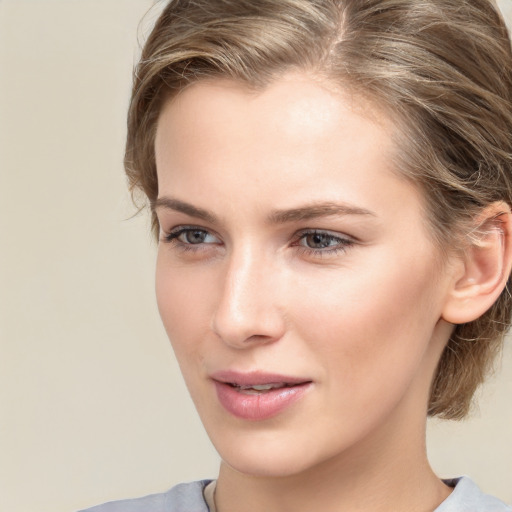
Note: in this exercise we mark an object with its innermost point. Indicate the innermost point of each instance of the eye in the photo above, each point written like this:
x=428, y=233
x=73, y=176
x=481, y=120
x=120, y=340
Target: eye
x=191, y=235
x=319, y=240
x=322, y=242
x=194, y=236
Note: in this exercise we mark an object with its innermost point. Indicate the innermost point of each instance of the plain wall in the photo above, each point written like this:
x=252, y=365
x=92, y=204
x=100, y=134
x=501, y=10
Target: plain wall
x=92, y=406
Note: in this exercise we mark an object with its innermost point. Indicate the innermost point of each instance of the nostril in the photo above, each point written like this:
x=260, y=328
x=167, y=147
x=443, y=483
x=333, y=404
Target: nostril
x=246, y=313
x=243, y=337
x=242, y=332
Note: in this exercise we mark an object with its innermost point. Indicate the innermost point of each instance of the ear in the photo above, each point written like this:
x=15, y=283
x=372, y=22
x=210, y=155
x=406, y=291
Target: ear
x=484, y=267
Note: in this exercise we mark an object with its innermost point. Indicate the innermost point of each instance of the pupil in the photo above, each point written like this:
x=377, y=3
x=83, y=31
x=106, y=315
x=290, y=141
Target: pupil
x=318, y=240
x=196, y=237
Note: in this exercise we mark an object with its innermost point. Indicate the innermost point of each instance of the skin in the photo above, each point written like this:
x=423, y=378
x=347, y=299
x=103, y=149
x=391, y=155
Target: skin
x=362, y=317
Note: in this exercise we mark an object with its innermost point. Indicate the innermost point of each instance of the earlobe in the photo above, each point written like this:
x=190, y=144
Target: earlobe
x=484, y=267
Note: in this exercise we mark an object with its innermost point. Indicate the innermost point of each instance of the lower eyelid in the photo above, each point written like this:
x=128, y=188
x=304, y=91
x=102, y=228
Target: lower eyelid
x=320, y=254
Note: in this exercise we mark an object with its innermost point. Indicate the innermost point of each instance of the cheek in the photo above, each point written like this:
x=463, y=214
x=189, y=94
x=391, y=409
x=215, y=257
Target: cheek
x=182, y=304
x=371, y=328
x=182, y=299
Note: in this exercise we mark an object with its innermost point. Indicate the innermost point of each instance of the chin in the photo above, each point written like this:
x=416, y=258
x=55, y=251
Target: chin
x=272, y=466
x=267, y=458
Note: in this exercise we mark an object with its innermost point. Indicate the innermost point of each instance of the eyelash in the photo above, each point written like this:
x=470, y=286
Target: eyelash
x=342, y=243
x=173, y=238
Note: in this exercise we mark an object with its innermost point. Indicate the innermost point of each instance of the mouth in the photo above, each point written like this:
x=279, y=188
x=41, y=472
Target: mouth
x=258, y=396
x=257, y=381
x=258, y=389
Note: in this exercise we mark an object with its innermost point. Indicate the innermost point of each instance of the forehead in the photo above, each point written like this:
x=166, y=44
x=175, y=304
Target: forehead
x=296, y=140
x=298, y=94
x=295, y=112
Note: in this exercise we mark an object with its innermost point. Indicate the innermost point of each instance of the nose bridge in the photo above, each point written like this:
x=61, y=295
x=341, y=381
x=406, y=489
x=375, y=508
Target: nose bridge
x=247, y=311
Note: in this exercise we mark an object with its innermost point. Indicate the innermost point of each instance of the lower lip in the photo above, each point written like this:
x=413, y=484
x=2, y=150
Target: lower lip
x=261, y=406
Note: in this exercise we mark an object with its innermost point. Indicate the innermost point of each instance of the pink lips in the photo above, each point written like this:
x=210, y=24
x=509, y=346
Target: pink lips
x=271, y=395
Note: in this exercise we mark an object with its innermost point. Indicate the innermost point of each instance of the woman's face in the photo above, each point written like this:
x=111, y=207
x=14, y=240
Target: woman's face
x=295, y=276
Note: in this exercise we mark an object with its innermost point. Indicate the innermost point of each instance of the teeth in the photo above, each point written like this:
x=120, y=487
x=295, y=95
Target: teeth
x=265, y=387
x=260, y=387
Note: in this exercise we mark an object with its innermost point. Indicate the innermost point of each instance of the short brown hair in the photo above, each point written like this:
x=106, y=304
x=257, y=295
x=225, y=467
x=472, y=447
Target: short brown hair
x=441, y=68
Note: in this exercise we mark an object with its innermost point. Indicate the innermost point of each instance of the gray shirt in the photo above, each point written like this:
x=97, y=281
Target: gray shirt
x=466, y=497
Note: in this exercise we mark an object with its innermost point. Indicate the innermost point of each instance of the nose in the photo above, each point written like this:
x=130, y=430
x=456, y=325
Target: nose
x=247, y=312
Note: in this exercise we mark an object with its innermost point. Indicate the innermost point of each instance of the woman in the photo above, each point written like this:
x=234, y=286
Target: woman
x=330, y=184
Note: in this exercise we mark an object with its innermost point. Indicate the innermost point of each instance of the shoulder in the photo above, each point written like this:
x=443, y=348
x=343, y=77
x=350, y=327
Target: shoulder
x=467, y=497
x=187, y=497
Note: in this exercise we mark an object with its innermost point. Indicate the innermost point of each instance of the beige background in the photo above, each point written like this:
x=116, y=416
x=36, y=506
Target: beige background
x=92, y=407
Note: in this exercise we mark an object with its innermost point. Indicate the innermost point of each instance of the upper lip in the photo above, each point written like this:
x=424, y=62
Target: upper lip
x=255, y=378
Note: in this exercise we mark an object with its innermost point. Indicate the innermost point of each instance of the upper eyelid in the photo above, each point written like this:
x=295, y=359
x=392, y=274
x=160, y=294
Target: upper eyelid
x=183, y=228
x=300, y=232
x=305, y=231
x=329, y=232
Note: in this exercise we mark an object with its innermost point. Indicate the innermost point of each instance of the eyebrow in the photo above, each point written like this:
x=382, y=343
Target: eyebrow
x=168, y=203
x=314, y=210
x=307, y=212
